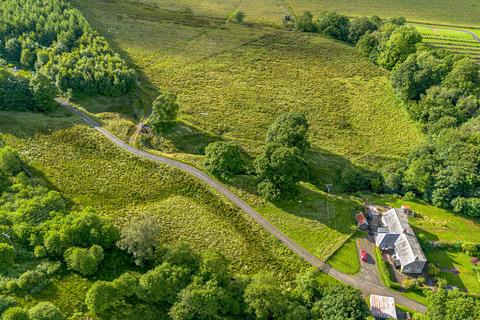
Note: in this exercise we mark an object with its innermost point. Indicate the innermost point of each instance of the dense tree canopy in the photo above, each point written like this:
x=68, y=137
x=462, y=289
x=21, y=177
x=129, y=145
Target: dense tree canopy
x=451, y=305
x=334, y=24
x=289, y=130
x=55, y=39
x=223, y=159
x=401, y=43
x=164, y=111
x=282, y=165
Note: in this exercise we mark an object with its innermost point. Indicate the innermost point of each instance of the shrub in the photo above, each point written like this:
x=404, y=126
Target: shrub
x=305, y=23
x=470, y=249
x=84, y=261
x=32, y=281
x=6, y=302
x=49, y=267
x=101, y=296
x=223, y=159
x=127, y=284
x=238, y=16
x=45, y=311
x=410, y=284
x=409, y=196
x=39, y=252
x=334, y=24
x=383, y=270
x=10, y=161
x=362, y=25
x=163, y=284
x=433, y=270
x=7, y=256
x=15, y=313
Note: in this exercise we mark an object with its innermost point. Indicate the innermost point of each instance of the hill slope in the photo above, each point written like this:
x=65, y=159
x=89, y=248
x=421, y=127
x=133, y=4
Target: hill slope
x=233, y=80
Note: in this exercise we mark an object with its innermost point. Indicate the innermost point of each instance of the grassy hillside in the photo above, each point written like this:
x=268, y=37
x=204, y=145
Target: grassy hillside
x=233, y=80
x=271, y=11
x=88, y=169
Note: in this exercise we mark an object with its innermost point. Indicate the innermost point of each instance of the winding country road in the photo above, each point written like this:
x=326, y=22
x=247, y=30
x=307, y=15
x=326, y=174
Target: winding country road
x=367, y=287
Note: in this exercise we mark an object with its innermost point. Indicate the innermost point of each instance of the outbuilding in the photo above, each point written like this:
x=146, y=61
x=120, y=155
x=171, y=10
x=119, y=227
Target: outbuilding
x=382, y=307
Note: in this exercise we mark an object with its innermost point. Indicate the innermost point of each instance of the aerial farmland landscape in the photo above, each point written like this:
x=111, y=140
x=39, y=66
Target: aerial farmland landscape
x=239, y=159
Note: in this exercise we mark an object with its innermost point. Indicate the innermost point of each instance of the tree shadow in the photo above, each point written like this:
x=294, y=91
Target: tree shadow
x=182, y=138
x=448, y=271
x=25, y=125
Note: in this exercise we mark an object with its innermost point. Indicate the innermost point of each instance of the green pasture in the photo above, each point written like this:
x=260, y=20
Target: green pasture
x=271, y=11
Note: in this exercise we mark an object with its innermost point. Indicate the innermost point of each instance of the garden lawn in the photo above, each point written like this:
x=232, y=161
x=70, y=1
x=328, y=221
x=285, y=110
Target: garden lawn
x=435, y=223
x=448, y=260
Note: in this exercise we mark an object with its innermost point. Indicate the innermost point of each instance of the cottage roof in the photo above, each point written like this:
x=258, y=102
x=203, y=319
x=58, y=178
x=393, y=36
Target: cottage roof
x=407, y=247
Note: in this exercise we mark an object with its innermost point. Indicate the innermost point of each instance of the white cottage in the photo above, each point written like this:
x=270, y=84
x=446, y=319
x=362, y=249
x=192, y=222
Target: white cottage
x=397, y=235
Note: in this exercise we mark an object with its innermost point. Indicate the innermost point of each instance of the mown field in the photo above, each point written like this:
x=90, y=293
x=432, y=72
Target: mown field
x=455, y=40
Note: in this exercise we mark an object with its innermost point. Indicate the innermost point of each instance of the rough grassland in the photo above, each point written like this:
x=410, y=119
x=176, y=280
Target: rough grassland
x=463, y=13
x=234, y=80
x=89, y=170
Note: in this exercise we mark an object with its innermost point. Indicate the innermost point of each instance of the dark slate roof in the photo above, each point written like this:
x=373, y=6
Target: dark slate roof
x=407, y=247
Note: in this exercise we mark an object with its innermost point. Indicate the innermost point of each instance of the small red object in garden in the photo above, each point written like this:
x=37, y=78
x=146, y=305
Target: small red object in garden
x=475, y=260
x=363, y=256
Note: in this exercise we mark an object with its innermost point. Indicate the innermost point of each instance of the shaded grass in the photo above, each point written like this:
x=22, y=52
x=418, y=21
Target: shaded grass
x=466, y=279
x=346, y=258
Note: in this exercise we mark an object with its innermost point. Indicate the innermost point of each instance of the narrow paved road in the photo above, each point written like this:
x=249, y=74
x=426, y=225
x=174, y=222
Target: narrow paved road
x=366, y=287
